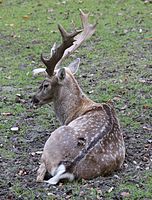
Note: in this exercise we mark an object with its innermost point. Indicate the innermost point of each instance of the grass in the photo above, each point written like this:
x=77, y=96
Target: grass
x=114, y=61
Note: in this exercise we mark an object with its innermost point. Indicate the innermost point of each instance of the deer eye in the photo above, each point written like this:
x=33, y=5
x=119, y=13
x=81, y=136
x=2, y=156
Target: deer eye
x=45, y=85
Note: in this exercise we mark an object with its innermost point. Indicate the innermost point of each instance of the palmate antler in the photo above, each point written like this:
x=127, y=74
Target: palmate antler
x=70, y=42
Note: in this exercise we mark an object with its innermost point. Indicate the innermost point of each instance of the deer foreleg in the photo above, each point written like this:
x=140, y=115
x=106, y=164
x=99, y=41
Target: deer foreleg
x=41, y=173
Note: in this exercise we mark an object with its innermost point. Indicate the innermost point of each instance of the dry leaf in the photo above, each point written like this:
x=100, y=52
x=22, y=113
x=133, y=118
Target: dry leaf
x=147, y=128
x=39, y=71
x=6, y=114
x=50, y=10
x=125, y=194
x=26, y=17
x=117, y=98
x=141, y=80
x=147, y=1
x=124, y=107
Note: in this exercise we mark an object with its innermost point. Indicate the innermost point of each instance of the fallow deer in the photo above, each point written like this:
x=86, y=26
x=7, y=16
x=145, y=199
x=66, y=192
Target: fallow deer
x=89, y=143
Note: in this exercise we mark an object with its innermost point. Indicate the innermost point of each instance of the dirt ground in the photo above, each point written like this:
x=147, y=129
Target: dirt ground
x=120, y=71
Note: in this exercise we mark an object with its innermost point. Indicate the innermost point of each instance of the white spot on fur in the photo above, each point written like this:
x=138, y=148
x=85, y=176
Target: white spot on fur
x=57, y=175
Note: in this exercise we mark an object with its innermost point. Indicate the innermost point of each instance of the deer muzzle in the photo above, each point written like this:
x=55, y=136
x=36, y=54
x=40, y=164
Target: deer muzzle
x=35, y=101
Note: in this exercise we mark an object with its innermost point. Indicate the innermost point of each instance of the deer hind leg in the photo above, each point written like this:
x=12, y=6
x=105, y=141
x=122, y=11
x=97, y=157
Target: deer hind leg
x=60, y=174
x=41, y=173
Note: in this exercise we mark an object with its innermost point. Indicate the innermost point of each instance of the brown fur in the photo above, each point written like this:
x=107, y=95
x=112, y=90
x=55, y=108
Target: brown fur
x=83, y=122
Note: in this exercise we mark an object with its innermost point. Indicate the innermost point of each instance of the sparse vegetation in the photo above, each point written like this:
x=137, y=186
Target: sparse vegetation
x=116, y=65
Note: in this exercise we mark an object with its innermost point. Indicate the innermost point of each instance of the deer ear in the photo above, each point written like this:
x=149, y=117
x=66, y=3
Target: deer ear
x=74, y=65
x=61, y=74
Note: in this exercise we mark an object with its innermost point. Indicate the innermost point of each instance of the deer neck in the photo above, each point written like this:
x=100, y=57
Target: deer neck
x=70, y=102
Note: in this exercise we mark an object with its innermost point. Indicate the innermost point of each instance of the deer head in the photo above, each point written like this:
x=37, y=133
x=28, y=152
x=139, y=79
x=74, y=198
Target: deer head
x=51, y=88
x=57, y=78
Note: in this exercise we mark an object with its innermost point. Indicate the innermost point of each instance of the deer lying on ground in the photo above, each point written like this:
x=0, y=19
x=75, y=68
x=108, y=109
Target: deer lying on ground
x=89, y=143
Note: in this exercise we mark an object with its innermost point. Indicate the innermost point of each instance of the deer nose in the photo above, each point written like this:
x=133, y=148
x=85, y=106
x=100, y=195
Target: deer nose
x=35, y=100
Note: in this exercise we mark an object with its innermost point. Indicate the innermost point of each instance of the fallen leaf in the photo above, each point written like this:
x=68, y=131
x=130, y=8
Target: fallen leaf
x=141, y=80
x=50, y=10
x=11, y=25
x=116, y=176
x=147, y=1
x=39, y=71
x=148, y=38
x=149, y=128
x=26, y=17
x=125, y=194
x=117, y=98
x=6, y=114
x=51, y=194
x=19, y=95
x=124, y=107
x=146, y=106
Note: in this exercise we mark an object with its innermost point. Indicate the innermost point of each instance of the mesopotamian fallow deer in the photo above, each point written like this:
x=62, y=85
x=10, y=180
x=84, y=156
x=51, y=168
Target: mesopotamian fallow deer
x=89, y=143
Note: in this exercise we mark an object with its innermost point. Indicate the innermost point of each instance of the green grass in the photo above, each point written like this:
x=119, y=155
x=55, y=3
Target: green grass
x=120, y=51
x=136, y=190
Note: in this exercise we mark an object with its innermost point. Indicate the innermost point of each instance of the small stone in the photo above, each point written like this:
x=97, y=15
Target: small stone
x=39, y=71
x=33, y=153
x=137, y=167
x=15, y=129
x=125, y=165
x=116, y=176
x=19, y=95
x=90, y=92
x=110, y=190
x=51, y=194
x=39, y=152
x=147, y=168
x=134, y=162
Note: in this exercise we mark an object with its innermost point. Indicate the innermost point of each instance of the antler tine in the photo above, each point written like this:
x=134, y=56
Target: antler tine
x=68, y=39
x=84, y=18
x=88, y=31
x=67, y=36
x=63, y=32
